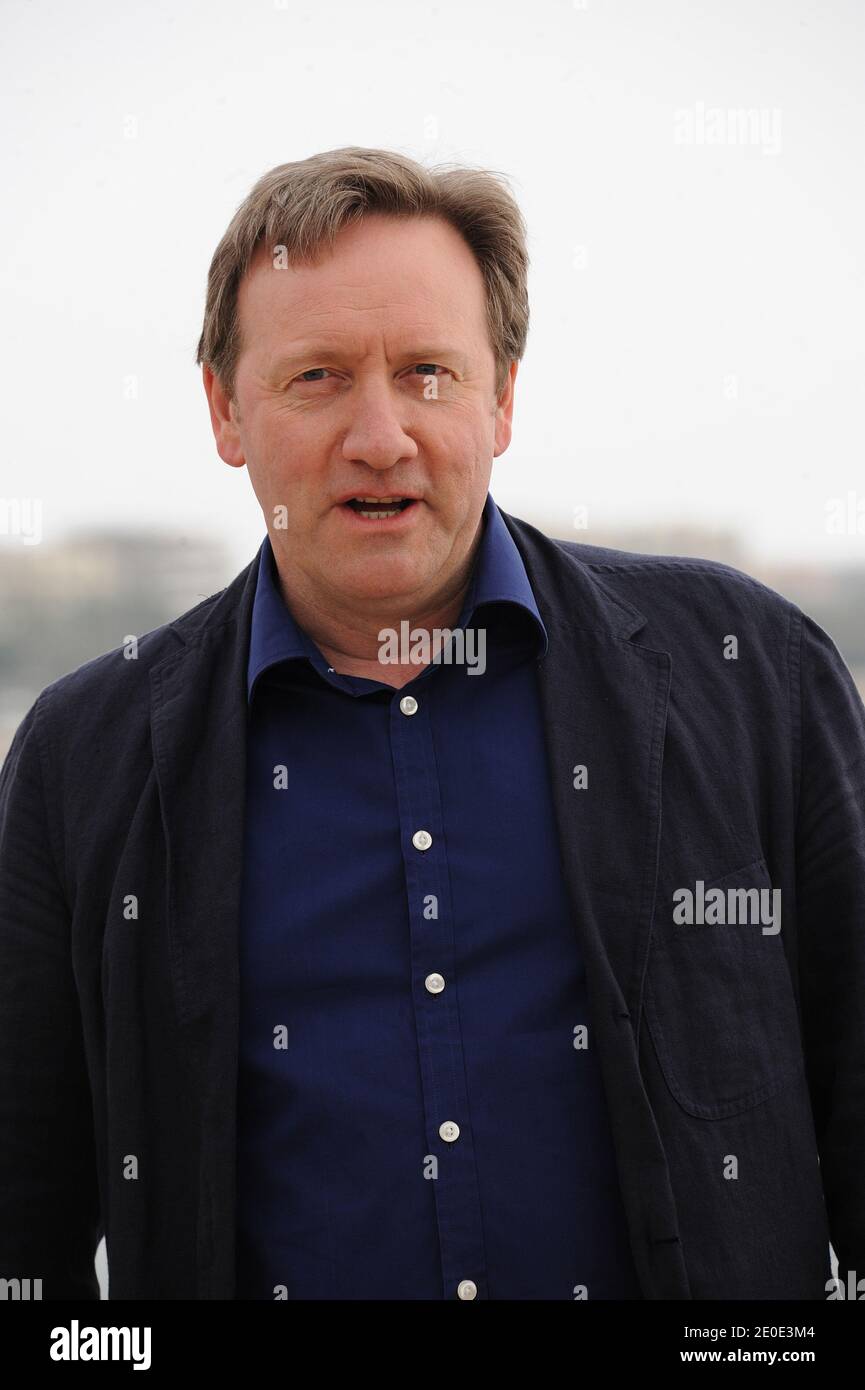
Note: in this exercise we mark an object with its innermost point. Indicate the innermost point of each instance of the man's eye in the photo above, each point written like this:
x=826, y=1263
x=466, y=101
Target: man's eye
x=319, y=373
x=311, y=372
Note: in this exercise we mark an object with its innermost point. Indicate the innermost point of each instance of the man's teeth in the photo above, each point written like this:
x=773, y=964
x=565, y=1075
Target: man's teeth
x=378, y=508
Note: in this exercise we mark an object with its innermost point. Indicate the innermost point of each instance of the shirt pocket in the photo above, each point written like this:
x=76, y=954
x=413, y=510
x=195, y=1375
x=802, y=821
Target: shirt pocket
x=719, y=1002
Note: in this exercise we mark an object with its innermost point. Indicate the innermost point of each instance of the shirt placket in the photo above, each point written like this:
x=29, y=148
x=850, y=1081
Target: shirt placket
x=435, y=999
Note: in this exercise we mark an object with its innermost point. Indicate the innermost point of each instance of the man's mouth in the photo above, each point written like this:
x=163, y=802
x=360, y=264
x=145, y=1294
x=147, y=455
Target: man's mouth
x=379, y=508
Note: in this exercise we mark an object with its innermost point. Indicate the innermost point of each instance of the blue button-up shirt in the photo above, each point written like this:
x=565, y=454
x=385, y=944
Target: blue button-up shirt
x=420, y=1107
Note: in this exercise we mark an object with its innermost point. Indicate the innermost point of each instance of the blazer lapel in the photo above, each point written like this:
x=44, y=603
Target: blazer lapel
x=198, y=713
x=604, y=702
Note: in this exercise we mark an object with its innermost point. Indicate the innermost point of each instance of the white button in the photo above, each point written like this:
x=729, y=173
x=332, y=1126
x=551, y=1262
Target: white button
x=434, y=983
x=421, y=839
x=450, y=1131
x=467, y=1288
x=408, y=704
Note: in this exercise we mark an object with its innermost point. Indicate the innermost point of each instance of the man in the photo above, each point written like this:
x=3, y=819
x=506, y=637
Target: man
x=371, y=930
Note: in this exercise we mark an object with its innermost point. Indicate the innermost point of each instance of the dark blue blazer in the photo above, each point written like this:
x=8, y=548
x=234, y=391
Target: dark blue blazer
x=733, y=1059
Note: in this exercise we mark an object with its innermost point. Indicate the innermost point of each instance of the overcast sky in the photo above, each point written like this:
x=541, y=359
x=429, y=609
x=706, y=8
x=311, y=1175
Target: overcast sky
x=696, y=344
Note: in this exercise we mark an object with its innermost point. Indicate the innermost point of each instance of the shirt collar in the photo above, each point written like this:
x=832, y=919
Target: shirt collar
x=499, y=576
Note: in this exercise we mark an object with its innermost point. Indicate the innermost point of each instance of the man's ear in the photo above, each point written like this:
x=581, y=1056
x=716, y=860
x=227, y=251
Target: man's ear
x=504, y=410
x=224, y=420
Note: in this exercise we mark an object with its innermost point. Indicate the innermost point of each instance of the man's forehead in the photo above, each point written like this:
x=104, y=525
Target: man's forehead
x=348, y=315
x=324, y=297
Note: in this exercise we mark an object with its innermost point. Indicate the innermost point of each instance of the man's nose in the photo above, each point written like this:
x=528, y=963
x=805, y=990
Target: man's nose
x=377, y=432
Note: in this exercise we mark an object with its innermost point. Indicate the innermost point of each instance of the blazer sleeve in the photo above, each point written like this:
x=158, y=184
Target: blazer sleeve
x=49, y=1204
x=830, y=886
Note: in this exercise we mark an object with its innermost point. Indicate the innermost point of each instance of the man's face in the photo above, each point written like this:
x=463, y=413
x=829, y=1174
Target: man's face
x=369, y=374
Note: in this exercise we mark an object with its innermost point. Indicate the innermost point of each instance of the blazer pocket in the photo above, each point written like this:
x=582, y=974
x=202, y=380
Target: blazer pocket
x=719, y=1001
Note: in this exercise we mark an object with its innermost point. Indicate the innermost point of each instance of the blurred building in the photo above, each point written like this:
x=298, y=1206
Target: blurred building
x=62, y=604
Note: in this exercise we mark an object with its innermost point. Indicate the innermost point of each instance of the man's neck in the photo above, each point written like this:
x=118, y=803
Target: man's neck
x=353, y=648
x=348, y=636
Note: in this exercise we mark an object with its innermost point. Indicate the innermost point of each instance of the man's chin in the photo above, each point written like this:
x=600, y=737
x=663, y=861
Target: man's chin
x=388, y=583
